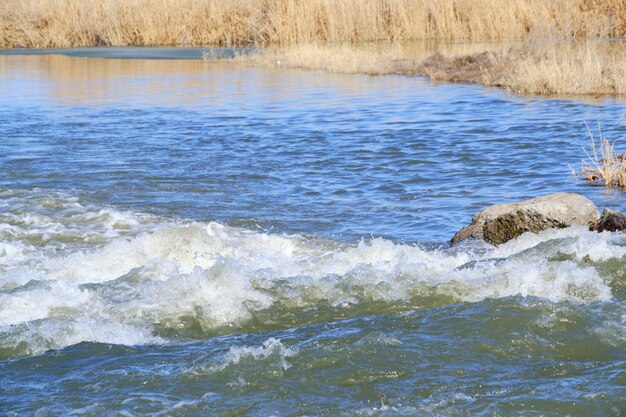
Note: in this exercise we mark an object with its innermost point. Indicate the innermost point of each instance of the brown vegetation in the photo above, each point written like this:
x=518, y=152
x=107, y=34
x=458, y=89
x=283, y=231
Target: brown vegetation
x=563, y=49
x=604, y=166
x=584, y=67
x=72, y=23
x=587, y=67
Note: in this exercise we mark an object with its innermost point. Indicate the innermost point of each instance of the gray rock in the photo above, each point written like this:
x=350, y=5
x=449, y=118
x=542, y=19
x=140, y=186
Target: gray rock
x=502, y=222
x=610, y=220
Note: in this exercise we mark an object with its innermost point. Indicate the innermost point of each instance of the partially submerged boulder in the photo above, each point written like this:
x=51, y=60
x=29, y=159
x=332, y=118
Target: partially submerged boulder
x=610, y=220
x=502, y=222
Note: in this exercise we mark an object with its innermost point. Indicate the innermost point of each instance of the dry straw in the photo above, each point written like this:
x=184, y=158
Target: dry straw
x=604, y=166
x=70, y=23
x=564, y=48
x=571, y=67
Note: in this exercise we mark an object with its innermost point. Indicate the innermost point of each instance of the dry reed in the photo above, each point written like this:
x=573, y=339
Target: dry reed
x=337, y=58
x=584, y=67
x=587, y=67
x=72, y=23
x=329, y=35
x=604, y=166
x=591, y=66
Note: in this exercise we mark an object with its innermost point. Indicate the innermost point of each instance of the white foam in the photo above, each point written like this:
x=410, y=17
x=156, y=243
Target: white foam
x=136, y=271
x=270, y=348
x=386, y=410
x=43, y=301
x=576, y=240
x=42, y=335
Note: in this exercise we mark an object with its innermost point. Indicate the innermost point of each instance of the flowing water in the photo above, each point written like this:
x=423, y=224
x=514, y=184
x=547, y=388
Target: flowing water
x=182, y=238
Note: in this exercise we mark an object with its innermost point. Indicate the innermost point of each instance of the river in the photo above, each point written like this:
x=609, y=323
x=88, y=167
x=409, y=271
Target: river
x=182, y=237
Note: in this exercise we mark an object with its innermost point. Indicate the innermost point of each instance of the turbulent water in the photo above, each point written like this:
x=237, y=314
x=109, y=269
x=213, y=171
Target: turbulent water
x=180, y=238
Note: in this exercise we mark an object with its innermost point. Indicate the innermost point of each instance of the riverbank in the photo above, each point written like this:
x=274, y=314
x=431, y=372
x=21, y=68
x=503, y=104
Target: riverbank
x=593, y=66
x=554, y=48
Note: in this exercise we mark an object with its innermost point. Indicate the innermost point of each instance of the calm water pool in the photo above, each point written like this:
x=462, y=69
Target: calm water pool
x=187, y=238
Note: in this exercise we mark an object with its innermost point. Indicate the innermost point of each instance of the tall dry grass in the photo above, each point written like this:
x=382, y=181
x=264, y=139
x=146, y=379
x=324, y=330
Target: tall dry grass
x=564, y=49
x=71, y=23
x=584, y=67
x=337, y=58
x=604, y=166
x=563, y=65
x=372, y=59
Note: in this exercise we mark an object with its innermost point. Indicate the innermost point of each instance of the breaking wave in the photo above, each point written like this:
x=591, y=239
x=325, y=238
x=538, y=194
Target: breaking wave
x=72, y=272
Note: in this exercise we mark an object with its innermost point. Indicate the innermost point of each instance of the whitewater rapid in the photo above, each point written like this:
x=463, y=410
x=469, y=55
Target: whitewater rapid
x=72, y=271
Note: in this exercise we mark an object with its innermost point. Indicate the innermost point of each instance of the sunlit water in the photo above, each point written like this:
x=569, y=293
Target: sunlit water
x=185, y=238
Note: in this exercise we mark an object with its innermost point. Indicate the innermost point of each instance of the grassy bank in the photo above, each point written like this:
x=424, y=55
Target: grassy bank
x=586, y=67
x=73, y=23
x=561, y=44
x=591, y=66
